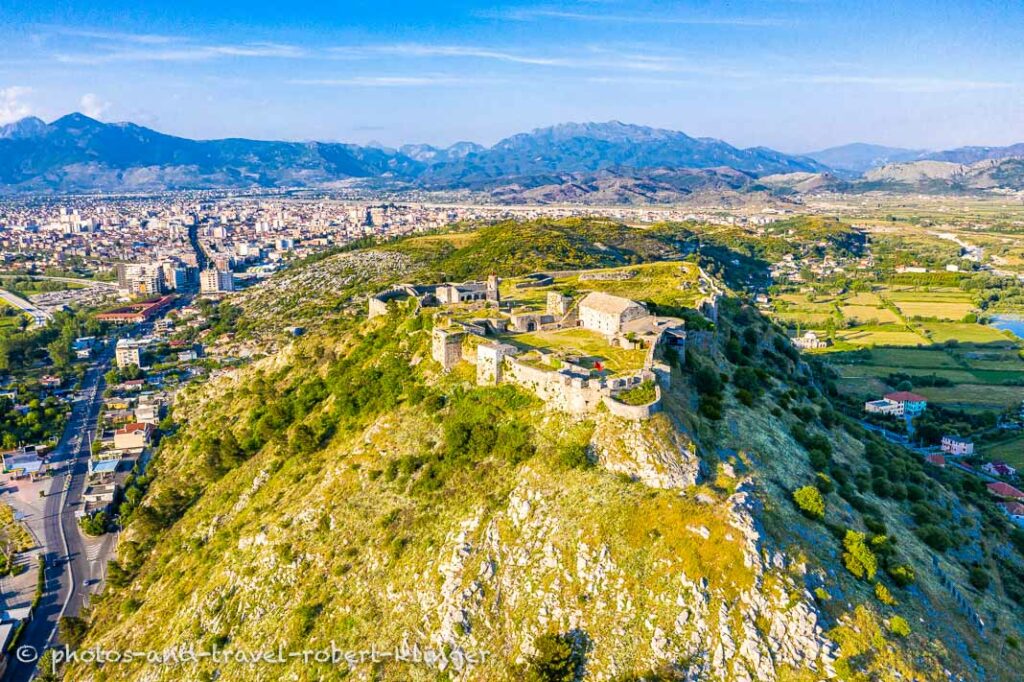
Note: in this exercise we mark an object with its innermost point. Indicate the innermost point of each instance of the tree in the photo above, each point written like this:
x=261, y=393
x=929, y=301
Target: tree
x=558, y=659
x=858, y=557
x=810, y=502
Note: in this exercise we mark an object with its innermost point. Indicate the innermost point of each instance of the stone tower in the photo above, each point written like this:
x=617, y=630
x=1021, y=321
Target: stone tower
x=558, y=304
x=490, y=358
x=446, y=347
x=493, y=294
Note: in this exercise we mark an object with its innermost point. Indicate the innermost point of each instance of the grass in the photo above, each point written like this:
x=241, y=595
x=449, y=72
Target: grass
x=864, y=313
x=671, y=283
x=940, y=332
x=881, y=335
x=591, y=345
x=942, y=310
x=1010, y=451
x=973, y=397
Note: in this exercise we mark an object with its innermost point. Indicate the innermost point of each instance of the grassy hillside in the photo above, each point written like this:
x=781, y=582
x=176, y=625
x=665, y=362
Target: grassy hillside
x=346, y=490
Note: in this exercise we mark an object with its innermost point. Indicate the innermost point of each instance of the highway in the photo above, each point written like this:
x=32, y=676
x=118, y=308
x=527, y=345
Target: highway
x=39, y=317
x=66, y=558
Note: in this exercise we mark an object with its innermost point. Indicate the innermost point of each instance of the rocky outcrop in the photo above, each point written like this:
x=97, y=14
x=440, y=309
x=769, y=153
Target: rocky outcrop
x=652, y=452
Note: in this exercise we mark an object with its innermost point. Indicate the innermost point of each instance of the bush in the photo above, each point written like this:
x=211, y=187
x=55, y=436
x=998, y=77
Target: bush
x=979, y=578
x=574, y=457
x=858, y=557
x=935, y=537
x=899, y=626
x=557, y=659
x=902, y=575
x=810, y=502
x=884, y=595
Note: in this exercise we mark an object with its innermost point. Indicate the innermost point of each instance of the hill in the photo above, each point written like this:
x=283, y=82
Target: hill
x=947, y=177
x=347, y=491
x=857, y=158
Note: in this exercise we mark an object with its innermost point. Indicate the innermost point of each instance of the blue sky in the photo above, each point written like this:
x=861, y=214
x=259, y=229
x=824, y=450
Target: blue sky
x=791, y=74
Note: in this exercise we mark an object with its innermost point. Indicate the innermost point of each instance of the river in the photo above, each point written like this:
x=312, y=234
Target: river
x=1011, y=323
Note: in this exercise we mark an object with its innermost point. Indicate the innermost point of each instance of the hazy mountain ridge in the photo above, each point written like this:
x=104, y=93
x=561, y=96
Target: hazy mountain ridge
x=609, y=162
x=859, y=157
x=77, y=153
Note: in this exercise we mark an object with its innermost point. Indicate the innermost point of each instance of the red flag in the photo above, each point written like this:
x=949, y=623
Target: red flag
x=598, y=367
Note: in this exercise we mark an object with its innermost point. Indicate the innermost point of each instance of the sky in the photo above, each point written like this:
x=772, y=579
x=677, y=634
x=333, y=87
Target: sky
x=795, y=75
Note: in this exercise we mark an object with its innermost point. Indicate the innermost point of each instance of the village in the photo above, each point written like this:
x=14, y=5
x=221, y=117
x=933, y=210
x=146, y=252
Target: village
x=577, y=349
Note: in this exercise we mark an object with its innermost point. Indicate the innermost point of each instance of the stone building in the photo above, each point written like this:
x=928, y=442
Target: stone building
x=607, y=314
x=446, y=347
x=490, y=361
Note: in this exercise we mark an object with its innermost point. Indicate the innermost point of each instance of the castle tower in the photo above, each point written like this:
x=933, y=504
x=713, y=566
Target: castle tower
x=446, y=347
x=493, y=294
x=489, y=360
x=558, y=304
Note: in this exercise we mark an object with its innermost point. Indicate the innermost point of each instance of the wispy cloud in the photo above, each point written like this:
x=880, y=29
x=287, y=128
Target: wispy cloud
x=115, y=36
x=463, y=51
x=535, y=14
x=903, y=83
x=13, y=106
x=392, y=81
x=183, y=53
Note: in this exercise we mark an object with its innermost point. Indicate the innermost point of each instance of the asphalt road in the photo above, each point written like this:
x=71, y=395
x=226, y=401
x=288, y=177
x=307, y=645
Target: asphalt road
x=66, y=560
x=39, y=317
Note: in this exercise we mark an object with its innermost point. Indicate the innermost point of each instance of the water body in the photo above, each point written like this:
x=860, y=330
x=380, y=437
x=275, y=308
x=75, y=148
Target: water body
x=1012, y=323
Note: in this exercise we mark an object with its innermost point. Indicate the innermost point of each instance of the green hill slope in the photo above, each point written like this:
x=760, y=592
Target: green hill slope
x=346, y=493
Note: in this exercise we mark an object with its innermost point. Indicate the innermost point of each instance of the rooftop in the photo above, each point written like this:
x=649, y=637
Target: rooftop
x=906, y=397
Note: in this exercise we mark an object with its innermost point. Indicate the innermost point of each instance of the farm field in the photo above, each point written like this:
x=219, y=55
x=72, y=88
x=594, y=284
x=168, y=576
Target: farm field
x=869, y=314
x=975, y=388
x=1010, y=451
x=942, y=310
x=974, y=397
x=963, y=332
x=880, y=335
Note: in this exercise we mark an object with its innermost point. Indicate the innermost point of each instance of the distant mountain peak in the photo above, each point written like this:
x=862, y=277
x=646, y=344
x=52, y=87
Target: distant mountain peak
x=29, y=126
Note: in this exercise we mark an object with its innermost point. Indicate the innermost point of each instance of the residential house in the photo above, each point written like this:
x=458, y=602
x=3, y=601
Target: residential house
x=1005, y=490
x=997, y=468
x=911, y=404
x=954, y=445
x=134, y=436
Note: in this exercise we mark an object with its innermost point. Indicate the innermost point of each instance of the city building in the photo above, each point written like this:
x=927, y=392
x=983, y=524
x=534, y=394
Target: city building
x=954, y=445
x=129, y=352
x=214, y=281
x=133, y=437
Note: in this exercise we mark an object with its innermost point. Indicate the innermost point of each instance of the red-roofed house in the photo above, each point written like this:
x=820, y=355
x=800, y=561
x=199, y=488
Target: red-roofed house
x=135, y=436
x=1015, y=510
x=998, y=469
x=937, y=460
x=1000, y=489
x=910, y=404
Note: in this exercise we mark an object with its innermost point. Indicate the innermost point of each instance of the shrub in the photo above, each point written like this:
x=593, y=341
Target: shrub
x=823, y=483
x=902, y=575
x=574, y=457
x=899, y=626
x=884, y=595
x=979, y=578
x=557, y=659
x=858, y=557
x=810, y=502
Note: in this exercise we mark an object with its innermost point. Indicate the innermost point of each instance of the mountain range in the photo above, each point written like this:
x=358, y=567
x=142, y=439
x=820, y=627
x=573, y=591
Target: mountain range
x=572, y=161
